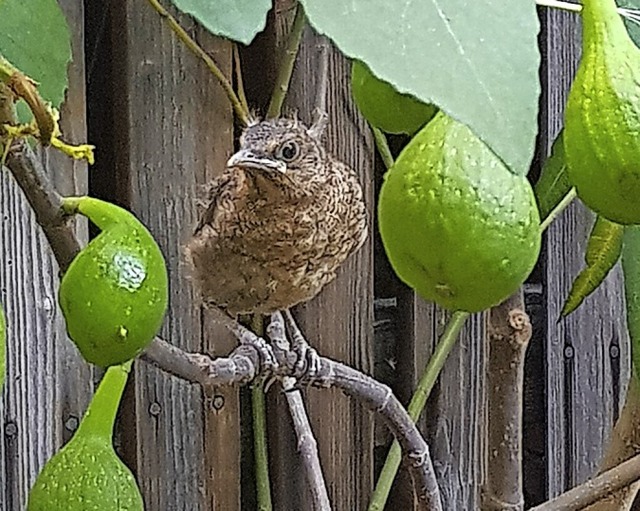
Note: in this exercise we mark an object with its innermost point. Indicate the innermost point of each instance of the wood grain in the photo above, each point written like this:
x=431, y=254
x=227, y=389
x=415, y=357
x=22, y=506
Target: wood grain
x=48, y=385
x=174, y=130
x=587, y=353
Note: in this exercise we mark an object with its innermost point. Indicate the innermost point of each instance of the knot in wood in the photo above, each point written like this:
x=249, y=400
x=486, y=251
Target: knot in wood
x=519, y=320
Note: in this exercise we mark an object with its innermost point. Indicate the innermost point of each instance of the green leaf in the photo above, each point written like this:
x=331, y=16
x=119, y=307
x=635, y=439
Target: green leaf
x=553, y=184
x=239, y=20
x=35, y=38
x=3, y=347
x=478, y=61
x=384, y=107
x=603, y=250
x=631, y=271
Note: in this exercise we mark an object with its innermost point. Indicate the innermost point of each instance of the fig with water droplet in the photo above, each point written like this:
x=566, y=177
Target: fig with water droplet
x=3, y=347
x=384, y=107
x=114, y=294
x=87, y=473
x=456, y=224
x=602, y=118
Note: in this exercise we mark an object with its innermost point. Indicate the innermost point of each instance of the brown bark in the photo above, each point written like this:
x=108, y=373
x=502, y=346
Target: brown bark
x=509, y=334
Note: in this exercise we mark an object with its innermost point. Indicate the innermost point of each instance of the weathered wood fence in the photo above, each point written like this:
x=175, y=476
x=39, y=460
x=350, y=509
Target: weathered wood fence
x=163, y=127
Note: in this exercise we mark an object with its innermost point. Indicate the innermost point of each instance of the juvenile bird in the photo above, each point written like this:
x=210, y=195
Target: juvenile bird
x=278, y=222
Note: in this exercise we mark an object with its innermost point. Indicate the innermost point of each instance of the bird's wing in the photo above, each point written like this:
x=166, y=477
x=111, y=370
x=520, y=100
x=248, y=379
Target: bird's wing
x=216, y=191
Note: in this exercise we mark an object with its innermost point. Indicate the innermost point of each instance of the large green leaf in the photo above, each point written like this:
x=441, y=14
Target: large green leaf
x=477, y=61
x=553, y=184
x=34, y=37
x=603, y=251
x=631, y=269
x=239, y=20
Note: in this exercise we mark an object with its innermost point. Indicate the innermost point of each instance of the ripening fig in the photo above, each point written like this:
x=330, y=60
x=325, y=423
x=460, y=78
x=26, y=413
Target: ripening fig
x=602, y=118
x=114, y=294
x=384, y=107
x=87, y=473
x=456, y=224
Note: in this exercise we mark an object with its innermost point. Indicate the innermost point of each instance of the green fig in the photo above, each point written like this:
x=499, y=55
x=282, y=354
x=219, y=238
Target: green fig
x=87, y=473
x=384, y=107
x=456, y=224
x=602, y=118
x=3, y=347
x=114, y=294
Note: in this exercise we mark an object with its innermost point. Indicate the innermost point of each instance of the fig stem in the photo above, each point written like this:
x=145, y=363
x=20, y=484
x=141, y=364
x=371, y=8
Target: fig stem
x=102, y=214
x=261, y=451
x=418, y=400
x=101, y=414
x=71, y=205
x=383, y=147
x=555, y=212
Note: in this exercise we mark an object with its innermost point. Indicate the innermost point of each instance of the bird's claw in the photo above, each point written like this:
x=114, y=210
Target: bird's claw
x=308, y=361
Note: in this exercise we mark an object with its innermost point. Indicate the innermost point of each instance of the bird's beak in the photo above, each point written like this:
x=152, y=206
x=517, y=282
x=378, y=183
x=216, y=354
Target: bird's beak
x=249, y=160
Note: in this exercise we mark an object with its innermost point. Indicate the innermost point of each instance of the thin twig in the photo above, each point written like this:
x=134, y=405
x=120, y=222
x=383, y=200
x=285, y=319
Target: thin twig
x=241, y=112
x=595, y=489
x=418, y=401
x=287, y=63
x=24, y=87
x=383, y=147
x=307, y=444
x=624, y=443
x=323, y=74
x=239, y=81
x=555, y=212
x=261, y=451
x=260, y=448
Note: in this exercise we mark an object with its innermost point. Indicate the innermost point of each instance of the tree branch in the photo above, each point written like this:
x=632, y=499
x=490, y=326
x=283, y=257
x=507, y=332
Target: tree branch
x=244, y=364
x=595, y=489
x=624, y=443
x=45, y=201
x=509, y=333
x=307, y=444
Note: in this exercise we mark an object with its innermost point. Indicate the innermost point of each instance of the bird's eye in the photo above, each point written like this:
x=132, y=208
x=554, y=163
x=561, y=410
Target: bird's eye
x=288, y=151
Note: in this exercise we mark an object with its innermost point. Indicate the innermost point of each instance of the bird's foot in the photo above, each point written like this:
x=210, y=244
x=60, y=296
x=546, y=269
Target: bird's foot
x=268, y=361
x=308, y=362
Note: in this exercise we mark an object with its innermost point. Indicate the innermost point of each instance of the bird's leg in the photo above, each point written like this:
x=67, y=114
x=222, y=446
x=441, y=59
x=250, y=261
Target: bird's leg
x=247, y=337
x=308, y=362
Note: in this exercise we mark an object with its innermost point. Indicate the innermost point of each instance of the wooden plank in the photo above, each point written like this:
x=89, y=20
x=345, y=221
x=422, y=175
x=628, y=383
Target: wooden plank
x=338, y=322
x=456, y=417
x=174, y=130
x=587, y=353
x=48, y=385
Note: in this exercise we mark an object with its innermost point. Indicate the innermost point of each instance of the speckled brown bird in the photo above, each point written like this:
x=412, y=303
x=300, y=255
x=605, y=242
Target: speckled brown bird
x=278, y=222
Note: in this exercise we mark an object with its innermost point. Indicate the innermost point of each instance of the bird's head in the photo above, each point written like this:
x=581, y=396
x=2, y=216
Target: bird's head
x=282, y=149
